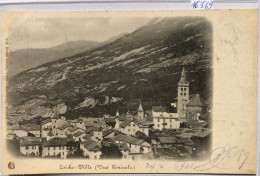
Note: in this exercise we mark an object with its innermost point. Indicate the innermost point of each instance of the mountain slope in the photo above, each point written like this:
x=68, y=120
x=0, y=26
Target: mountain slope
x=24, y=59
x=143, y=65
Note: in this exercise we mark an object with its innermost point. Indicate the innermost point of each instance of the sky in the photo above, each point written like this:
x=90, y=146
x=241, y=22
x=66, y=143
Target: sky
x=44, y=32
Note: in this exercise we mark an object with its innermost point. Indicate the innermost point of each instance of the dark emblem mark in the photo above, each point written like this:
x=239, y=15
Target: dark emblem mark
x=11, y=165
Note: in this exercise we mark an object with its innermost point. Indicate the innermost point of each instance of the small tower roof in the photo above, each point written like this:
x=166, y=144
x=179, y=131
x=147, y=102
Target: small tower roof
x=196, y=101
x=183, y=73
x=117, y=113
x=140, y=108
x=183, y=77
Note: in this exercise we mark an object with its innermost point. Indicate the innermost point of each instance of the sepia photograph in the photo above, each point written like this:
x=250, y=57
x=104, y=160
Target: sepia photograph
x=96, y=88
x=141, y=91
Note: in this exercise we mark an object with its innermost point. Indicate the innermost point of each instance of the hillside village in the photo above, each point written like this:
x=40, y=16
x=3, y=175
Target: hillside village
x=180, y=130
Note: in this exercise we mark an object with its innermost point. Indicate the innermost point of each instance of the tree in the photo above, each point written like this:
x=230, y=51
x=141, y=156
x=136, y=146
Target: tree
x=141, y=135
x=110, y=152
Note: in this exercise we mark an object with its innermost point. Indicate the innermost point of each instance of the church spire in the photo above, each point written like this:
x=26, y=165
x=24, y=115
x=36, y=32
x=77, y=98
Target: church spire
x=183, y=76
x=117, y=113
x=140, y=111
x=140, y=108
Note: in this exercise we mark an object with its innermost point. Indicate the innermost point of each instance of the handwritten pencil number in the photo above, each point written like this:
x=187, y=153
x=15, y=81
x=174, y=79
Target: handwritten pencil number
x=202, y=5
x=209, y=5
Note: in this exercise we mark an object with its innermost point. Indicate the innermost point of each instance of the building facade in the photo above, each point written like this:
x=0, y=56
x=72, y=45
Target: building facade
x=55, y=147
x=196, y=109
x=163, y=119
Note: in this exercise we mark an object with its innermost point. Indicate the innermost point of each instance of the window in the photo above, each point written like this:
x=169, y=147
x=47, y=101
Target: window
x=133, y=124
x=184, y=88
x=158, y=120
x=158, y=125
x=184, y=93
x=48, y=148
x=26, y=147
x=181, y=89
x=128, y=130
x=170, y=120
x=60, y=148
x=54, y=148
x=170, y=126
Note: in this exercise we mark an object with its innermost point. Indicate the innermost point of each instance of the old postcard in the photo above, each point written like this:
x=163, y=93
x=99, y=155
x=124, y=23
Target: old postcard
x=129, y=92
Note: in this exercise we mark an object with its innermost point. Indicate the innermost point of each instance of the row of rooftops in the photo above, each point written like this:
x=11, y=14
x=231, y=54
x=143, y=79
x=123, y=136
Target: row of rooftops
x=26, y=127
x=90, y=144
x=183, y=138
x=182, y=133
x=175, y=140
x=139, y=122
x=131, y=140
x=196, y=100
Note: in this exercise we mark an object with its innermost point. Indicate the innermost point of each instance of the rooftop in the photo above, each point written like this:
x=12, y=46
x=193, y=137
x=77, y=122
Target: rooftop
x=31, y=127
x=129, y=139
x=14, y=127
x=91, y=145
x=125, y=123
x=56, y=142
x=93, y=122
x=89, y=129
x=110, y=120
x=203, y=132
x=47, y=120
x=107, y=132
x=30, y=143
x=70, y=137
x=63, y=126
x=123, y=146
x=79, y=133
x=167, y=140
x=160, y=108
x=196, y=101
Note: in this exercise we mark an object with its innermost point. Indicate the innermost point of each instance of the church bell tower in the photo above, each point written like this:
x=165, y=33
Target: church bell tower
x=183, y=95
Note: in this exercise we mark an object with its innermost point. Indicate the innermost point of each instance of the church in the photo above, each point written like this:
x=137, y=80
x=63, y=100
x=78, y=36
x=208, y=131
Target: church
x=189, y=107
